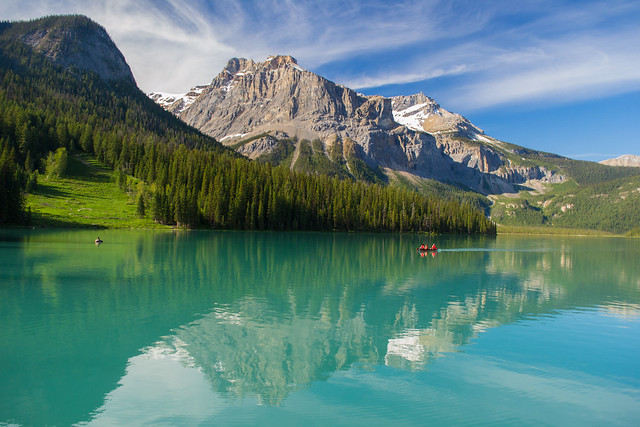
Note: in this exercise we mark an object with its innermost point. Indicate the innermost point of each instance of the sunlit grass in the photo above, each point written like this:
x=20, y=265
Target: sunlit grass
x=556, y=231
x=86, y=196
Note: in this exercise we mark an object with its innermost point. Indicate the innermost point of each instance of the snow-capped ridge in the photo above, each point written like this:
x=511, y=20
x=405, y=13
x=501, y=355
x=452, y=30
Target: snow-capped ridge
x=414, y=116
x=177, y=102
x=423, y=114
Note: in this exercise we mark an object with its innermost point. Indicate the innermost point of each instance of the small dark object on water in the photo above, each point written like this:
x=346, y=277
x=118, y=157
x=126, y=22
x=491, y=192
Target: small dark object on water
x=98, y=241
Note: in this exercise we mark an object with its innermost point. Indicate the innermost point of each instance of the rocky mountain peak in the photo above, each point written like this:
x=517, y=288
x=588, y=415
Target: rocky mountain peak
x=276, y=94
x=74, y=40
x=235, y=65
x=260, y=107
x=242, y=65
x=404, y=102
x=281, y=60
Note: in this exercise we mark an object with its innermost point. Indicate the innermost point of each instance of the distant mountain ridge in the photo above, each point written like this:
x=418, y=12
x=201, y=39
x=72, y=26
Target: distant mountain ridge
x=255, y=106
x=628, y=160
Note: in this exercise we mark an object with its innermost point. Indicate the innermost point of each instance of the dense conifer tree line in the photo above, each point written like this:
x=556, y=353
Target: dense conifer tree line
x=191, y=180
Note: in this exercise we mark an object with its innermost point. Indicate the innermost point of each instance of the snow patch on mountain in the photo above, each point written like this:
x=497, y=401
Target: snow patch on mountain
x=165, y=99
x=413, y=116
x=177, y=102
x=422, y=114
x=237, y=135
x=487, y=139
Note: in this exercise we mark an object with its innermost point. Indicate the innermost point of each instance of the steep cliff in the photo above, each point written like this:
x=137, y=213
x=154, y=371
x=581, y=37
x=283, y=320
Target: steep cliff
x=72, y=41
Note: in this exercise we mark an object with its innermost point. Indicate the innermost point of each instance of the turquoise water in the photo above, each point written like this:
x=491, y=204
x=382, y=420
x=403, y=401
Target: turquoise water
x=226, y=328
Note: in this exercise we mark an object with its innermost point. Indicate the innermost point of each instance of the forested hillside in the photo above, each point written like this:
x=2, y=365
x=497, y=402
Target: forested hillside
x=611, y=206
x=47, y=111
x=595, y=196
x=582, y=172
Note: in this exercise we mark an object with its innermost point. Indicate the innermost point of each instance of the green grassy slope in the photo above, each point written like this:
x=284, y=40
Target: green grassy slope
x=87, y=196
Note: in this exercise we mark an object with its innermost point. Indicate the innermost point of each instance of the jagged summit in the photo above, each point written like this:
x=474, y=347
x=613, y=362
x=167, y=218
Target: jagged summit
x=73, y=40
x=403, y=102
x=231, y=74
x=277, y=61
x=242, y=65
x=276, y=94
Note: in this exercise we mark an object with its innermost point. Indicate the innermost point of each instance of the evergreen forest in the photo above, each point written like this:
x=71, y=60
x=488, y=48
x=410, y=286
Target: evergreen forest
x=190, y=180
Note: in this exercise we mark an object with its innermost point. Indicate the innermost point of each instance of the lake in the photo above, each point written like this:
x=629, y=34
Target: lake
x=233, y=328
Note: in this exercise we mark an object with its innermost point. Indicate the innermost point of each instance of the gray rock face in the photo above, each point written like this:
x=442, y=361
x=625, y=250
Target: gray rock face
x=258, y=147
x=411, y=135
x=250, y=97
x=77, y=41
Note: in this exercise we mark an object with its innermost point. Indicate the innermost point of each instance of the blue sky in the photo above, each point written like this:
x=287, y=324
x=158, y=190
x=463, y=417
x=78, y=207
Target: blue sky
x=555, y=75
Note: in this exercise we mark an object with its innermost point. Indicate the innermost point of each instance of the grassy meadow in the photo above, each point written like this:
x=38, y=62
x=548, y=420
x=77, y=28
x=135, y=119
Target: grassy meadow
x=551, y=231
x=86, y=196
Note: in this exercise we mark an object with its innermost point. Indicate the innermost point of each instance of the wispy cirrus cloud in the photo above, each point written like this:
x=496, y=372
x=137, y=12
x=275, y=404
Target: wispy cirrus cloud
x=499, y=52
x=172, y=44
x=168, y=44
x=577, y=55
x=563, y=70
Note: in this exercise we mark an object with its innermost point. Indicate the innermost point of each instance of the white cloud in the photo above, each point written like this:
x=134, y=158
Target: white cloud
x=168, y=48
x=557, y=71
x=533, y=62
x=500, y=52
x=420, y=74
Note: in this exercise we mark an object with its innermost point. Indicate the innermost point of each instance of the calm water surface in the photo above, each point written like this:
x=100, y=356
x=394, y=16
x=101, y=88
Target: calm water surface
x=225, y=328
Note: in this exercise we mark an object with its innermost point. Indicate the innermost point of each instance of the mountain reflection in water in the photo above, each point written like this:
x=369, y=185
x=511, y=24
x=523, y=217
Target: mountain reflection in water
x=263, y=315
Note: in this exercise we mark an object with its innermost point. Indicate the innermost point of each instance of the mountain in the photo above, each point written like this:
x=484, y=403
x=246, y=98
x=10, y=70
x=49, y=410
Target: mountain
x=628, y=160
x=68, y=93
x=277, y=112
x=269, y=109
x=72, y=41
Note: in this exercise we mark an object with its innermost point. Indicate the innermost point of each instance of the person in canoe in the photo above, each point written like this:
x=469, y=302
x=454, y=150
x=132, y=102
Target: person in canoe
x=427, y=248
x=98, y=241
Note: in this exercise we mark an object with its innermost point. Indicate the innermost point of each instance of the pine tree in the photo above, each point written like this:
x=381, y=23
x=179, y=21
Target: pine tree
x=140, y=207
